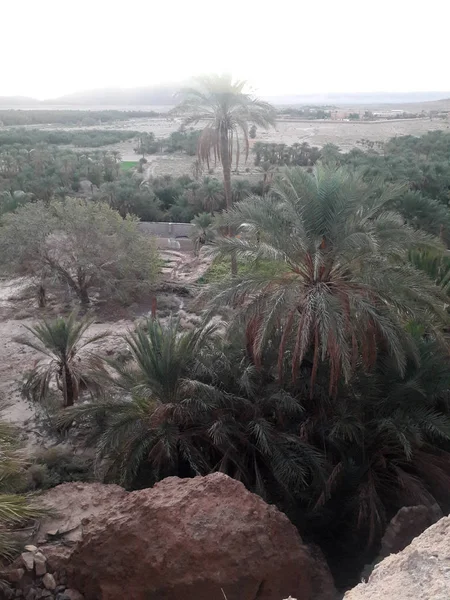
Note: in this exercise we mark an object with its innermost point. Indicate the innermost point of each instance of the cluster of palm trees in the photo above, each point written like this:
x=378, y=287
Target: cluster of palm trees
x=326, y=386
x=283, y=155
x=45, y=172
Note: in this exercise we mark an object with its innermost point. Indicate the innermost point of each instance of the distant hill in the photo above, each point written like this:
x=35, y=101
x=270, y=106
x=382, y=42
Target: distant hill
x=18, y=101
x=156, y=95
x=164, y=95
x=358, y=98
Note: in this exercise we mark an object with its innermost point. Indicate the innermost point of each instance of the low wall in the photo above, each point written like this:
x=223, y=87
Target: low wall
x=169, y=230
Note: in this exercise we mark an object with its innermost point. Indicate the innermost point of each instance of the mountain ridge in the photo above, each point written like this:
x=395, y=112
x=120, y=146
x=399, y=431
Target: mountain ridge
x=166, y=95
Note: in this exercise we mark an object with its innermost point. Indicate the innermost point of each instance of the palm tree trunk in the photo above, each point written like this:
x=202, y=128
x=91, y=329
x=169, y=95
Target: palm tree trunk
x=83, y=296
x=69, y=388
x=226, y=168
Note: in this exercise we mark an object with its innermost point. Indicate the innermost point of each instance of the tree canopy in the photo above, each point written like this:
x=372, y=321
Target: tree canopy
x=85, y=245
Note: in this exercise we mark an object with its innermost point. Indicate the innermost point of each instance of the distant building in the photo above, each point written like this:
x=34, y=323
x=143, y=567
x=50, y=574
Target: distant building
x=339, y=115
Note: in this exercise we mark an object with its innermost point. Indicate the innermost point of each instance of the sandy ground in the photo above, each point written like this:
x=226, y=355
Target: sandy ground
x=17, y=311
x=344, y=134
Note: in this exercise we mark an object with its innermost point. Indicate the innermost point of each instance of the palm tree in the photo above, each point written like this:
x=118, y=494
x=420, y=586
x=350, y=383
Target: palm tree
x=211, y=193
x=15, y=509
x=240, y=189
x=10, y=201
x=204, y=231
x=228, y=111
x=344, y=287
x=160, y=406
x=60, y=342
x=268, y=170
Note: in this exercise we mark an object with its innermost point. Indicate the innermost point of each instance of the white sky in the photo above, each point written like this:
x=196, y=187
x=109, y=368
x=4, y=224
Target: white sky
x=53, y=47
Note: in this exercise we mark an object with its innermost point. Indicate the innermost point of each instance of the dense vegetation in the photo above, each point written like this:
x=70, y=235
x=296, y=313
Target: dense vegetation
x=90, y=138
x=307, y=112
x=183, y=140
x=70, y=117
x=325, y=387
x=281, y=154
x=46, y=172
x=86, y=246
x=422, y=162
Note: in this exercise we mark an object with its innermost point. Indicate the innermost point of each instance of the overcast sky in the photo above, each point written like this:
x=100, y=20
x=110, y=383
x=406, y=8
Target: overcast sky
x=54, y=47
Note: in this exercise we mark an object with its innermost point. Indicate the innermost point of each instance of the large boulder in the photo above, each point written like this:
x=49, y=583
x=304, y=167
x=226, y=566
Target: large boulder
x=203, y=538
x=420, y=572
x=71, y=506
x=407, y=524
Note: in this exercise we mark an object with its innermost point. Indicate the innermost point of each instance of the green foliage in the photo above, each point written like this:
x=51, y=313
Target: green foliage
x=348, y=281
x=129, y=196
x=85, y=245
x=204, y=230
x=307, y=112
x=281, y=154
x=421, y=162
x=56, y=465
x=183, y=140
x=90, y=138
x=15, y=509
x=158, y=395
x=190, y=403
x=44, y=172
x=59, y=342
x=70, y=117
x=220, y=269
x=126, y=165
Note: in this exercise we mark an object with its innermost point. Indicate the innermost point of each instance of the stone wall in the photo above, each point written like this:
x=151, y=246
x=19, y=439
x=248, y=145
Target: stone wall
x=169, y=230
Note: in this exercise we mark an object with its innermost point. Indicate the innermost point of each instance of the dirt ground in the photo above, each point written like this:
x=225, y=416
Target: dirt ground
x=18, y=311
x=344, y=134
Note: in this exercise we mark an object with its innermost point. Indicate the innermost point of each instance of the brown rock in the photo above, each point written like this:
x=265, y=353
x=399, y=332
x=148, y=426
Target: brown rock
x=72, y=506
x=194, y=538
x=408, y=523
x=420, y=572
x=28, y=560
x=49, y=581
x=73, y=594
x=13, y=575
x=57, y=555
x=40, y=564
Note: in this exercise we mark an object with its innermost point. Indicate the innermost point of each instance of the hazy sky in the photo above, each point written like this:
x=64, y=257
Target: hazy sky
x=54, y=47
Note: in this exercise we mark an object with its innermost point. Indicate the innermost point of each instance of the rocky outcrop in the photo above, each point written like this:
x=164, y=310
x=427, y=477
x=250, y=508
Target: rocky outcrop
x=31, y=577
x=72, y=506
x=407, y=524
x=201, y=538
x=420, y=572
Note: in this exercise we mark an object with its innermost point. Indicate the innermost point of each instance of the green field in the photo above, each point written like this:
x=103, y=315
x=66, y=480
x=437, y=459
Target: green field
x=126, y=165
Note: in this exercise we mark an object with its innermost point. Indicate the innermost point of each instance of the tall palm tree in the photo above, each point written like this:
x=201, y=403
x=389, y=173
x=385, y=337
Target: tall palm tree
x=60, y=342
x=345, y=286
x=228, y=112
